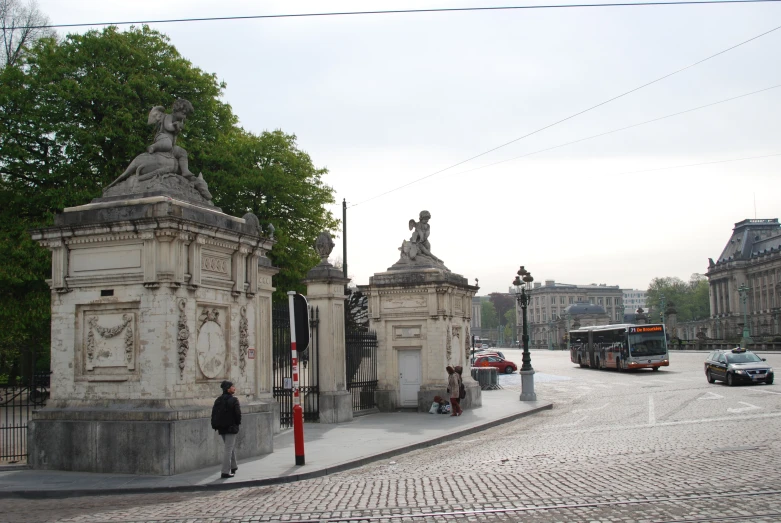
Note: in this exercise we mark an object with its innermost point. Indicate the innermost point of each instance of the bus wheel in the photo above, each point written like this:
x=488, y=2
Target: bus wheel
x=596, y=364
x=618, y=364
x=656, y=369
x=580, y=362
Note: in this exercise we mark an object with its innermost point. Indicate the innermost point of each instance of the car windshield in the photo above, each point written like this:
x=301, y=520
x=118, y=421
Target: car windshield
x=743, y=357
x=647, y=344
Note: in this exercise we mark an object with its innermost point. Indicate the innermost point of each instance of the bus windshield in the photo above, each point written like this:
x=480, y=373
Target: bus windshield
x=647, y=344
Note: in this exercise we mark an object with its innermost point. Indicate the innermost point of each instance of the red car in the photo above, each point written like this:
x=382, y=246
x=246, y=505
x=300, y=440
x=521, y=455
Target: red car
x=501, y=364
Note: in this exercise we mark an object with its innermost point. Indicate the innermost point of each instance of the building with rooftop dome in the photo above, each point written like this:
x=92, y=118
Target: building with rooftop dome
x=554, y=307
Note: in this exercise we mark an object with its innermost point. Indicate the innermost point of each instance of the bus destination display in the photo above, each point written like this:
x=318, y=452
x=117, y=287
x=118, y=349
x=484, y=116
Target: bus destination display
x=650, y=328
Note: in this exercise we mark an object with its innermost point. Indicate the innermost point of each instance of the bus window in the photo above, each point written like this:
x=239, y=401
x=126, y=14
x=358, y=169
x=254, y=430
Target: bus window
x=647, y=344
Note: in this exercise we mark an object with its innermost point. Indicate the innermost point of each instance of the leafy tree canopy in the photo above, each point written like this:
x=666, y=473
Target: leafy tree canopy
x=502, y=304
x=489, y=318
x=74, y=116
x=690, y=299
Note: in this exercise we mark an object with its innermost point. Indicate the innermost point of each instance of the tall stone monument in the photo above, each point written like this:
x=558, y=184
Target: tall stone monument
x=421, y=312
x=157, y=296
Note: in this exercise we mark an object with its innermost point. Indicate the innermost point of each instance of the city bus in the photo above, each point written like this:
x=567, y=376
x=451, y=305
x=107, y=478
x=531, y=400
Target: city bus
x=622, y=347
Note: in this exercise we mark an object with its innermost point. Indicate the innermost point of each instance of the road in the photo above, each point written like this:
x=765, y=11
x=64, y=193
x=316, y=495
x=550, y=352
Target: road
x=617, y=447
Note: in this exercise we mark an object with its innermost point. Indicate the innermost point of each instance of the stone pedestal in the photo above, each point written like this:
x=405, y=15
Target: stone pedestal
x=527, y=385
x=155, y=301
x=325, y=290
x=422, y=318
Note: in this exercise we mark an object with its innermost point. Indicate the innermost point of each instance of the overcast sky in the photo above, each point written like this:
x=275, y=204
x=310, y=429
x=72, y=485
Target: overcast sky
x=386, y=100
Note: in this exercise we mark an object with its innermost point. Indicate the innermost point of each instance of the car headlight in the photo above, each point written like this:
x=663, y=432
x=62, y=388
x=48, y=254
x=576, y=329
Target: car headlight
x=739, y=371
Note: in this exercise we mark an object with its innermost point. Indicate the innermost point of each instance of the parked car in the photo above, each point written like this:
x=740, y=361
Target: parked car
x=496, y=361
x=737, y=366
x=488, y=352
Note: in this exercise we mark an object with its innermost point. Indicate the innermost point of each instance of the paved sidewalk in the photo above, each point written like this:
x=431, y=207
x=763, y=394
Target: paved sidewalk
x=328, y=449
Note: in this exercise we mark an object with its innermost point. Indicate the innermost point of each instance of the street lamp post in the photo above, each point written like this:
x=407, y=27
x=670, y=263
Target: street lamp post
x=662, y=305
x=522, y=282
x=746, y=338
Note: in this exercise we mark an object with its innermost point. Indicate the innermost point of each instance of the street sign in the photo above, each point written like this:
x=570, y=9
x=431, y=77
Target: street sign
x=301, y=309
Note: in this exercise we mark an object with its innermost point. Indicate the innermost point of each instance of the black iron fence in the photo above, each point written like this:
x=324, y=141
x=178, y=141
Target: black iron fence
x=24, y=387
x=283, y=367
x=361, y=355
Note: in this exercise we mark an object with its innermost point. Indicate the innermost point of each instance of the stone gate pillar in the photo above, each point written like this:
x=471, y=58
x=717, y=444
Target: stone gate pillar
x=421, y=312
x=325, y=291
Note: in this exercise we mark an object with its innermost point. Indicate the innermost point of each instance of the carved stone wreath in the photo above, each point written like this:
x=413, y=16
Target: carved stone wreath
x=448, y=346
x=243, y=338
x=183, y=338
x=108, y=333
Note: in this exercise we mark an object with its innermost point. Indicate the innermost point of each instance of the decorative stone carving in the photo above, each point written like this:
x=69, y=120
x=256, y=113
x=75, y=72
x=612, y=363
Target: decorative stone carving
x=105, y=354
x=253, y=222
x=215, y=264
x=211, y=343
x=183, y=339
x=466, y=344
x=448, y=346
x=243, y=338
x=416, y=252
x=163, y=168
x=324, y=245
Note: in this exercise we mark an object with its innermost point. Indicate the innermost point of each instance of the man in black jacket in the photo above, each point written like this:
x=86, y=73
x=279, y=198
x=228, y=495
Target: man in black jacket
x=226, y=418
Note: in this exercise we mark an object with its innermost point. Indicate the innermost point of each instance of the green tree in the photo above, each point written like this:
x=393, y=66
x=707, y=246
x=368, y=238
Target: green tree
x=269, y=176
x=502, y=303
x=510, y=325
x=489, y=318
x=690, y=299
x=74, y=116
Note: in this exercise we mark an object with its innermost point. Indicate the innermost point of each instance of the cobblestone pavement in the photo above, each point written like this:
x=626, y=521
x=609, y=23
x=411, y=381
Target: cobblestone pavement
x=617, y=447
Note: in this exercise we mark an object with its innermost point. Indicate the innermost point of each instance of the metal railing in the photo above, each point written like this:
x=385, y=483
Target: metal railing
x=17, y=403
x=283, y=367
x=361, y=367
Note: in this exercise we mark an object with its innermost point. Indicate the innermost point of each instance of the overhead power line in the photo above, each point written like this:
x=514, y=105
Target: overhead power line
x=697, y=164
x=568, y=117
x=402, y=11
x=579, y=140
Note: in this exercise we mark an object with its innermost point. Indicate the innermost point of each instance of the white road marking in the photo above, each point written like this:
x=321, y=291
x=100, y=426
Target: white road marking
x=744, y=409
x=768, y=392
x=711, y=396
x=651, y=413
x=591, y=410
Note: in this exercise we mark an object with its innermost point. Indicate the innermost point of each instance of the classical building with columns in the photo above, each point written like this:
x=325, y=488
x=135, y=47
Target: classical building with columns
x=746, y=280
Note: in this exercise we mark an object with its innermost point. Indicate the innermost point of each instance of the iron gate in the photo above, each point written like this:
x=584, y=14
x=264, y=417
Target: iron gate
x=361, y=355
x=309, y=367
x=24, y=387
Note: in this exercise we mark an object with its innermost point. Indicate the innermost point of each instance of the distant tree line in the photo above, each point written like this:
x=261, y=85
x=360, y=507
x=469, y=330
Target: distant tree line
x=690, y=299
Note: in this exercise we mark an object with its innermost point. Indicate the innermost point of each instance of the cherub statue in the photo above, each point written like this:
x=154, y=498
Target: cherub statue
x=164, y=156
x=418, y=242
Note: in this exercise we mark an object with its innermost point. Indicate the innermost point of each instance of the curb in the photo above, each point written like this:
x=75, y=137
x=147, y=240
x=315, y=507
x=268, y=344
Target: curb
x=214, y=487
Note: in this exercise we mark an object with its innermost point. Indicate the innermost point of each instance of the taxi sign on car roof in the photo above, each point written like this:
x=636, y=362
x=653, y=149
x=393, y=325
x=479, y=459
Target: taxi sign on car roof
x=737, y=350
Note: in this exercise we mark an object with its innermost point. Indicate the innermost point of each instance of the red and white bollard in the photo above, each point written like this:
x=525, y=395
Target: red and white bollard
x=298, y=411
